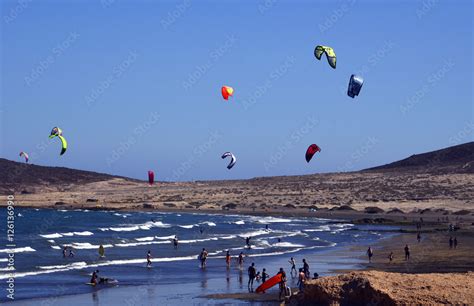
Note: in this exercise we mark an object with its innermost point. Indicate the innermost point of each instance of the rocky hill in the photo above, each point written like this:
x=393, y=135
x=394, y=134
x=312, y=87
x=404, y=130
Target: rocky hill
x=456, y=159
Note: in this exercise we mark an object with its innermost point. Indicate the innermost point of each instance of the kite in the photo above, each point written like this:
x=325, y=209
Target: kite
x=355, y=85
x=57, y=132
x=25, y=155
x=227, y=92
x=330, y=54
x=312, y=149
x=151, y=177
x=232, y=159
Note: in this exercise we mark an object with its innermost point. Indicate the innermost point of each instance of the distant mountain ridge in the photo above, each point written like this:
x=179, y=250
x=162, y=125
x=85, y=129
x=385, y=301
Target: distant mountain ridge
x=18, y=177
x=455, y=159
x=22, y=177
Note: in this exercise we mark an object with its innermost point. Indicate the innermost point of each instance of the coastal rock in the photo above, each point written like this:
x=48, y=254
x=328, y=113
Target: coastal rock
x=382, y=288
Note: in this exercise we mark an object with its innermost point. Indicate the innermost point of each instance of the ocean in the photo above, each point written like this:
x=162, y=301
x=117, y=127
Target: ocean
x=41, y=271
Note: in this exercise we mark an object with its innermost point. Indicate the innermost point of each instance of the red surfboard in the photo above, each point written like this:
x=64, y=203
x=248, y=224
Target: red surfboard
x=269, y=283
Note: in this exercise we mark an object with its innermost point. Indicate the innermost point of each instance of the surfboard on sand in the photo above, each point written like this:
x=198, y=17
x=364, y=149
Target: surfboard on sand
x=269, y=283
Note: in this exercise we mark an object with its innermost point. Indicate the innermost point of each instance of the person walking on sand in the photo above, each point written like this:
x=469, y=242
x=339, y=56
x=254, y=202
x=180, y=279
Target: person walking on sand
x=407, y=252
x=390, y=257
x=252, y=274
x=148, y=259
x=418, y=237
x=306, y=268
x=451, y=242
x=264, y=275
x=293, y=265
x=370, y=253
x=227, y=259
x=282, y=284
x=301, y=280
x=203, y=258
x=240, y=260
x=455, y=242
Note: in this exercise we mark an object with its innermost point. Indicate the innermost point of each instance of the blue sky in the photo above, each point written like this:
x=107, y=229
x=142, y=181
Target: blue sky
x=135, y=85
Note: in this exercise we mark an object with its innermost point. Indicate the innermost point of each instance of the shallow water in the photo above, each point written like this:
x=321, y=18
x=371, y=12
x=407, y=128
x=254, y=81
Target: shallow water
x=41, y=270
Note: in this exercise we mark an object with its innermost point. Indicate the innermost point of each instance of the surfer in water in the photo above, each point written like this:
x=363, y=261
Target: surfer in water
x=64, y=252
x=71, y=253
x=101, y=251
x=175, y=242
x=148, y=259
x=252, y=274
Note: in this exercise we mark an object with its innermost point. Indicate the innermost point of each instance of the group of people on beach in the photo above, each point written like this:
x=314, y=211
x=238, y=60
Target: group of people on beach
x=302, y=273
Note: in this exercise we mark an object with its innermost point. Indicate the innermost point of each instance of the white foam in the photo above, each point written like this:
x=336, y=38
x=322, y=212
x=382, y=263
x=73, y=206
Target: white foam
x=11, y=268
x=3, y=259
x=187, y=226
x=209, y=223
x=164, y=237
x=51, y=241
x=145, y=239
x=322, y=228
x=134, y=244
x=143, y=226
x=254, y=233
x=241, y=222
x=18, y=250
x=55, y=235
x=267, y=220
x=55, y=247
x=79, y=265
x=288, y=245
x=84, y=233
x=86, y=245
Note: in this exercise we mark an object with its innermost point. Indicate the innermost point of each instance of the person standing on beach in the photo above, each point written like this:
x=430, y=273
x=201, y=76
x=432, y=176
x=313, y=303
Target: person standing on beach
x=175, y=242
x=241, y=260
x=264, y=275
x=203, y=258
x=301, y=280
x=94, y=277
x=370, y=253
x=390, y=257
x=252, y=274
x=227, y=259
x=451, y=242
x=247, y=242
x=418, y=237
x=293, y=265
x=148, y=259
x=306, y=268
x=282, y=284
x=407, y=252
x=455, y=242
